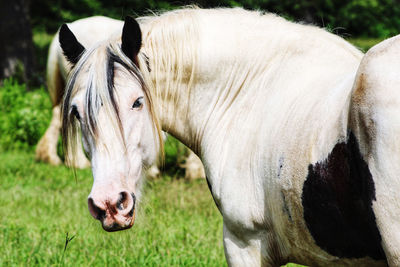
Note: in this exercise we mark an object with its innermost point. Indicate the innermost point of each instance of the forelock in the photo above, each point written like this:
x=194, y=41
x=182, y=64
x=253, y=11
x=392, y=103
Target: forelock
x=95, y=73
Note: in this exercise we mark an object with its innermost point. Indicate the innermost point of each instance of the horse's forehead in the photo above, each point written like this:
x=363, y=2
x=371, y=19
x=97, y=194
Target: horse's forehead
x=78, y=98
x=89, y=72
x=125, y=78
x=94, y=57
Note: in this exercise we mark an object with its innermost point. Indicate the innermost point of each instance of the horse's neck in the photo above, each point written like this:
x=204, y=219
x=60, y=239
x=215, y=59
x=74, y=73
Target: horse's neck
x=196, y=74
x=193, y=104
x=202, y=76
x=172, y=62
x=227, y=81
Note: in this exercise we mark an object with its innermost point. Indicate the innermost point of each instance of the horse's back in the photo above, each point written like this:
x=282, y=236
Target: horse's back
x=95, y=29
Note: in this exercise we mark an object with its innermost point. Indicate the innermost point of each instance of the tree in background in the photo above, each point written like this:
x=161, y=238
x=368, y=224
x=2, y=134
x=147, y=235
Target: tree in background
x=16, y=46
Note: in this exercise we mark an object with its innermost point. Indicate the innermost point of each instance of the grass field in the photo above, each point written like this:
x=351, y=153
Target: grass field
x=177, y=222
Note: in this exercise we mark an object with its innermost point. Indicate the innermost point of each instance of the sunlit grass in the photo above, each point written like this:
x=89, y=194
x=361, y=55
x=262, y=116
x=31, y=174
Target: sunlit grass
x=43, y=206
x=177, y=224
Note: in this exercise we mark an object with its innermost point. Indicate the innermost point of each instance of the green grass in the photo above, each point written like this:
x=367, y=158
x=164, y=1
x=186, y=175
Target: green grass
x=177, y=223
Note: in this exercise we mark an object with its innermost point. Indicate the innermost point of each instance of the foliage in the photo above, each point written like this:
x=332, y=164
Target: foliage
x=24, y=116
x=41, y=42
x=372, y=18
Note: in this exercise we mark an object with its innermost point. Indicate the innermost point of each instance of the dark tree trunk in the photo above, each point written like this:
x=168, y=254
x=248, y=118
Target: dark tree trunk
x=16, y=46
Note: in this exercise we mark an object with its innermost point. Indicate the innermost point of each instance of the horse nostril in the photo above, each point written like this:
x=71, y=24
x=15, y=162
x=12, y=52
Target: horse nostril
x=133, y=206
x=96, y=212
x=123, y=200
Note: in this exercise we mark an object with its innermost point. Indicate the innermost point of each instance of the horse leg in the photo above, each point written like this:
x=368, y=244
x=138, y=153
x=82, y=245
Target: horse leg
x=153, y=171
x=250, y=249
x=46, y=149
x=81, y=161
x=193, y=167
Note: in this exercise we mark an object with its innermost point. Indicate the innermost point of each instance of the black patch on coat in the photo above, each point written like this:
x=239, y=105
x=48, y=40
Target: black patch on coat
x=337, y=200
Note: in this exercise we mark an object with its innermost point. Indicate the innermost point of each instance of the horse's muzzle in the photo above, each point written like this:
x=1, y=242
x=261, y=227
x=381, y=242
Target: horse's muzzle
x=116, y=213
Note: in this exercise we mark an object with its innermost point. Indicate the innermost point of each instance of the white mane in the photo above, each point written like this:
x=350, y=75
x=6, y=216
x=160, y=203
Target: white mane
x=172, y=40
x=194, y=46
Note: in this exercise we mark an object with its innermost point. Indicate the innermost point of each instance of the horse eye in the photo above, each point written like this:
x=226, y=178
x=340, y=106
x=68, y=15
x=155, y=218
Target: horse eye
x=138, y=103
x=75, y=112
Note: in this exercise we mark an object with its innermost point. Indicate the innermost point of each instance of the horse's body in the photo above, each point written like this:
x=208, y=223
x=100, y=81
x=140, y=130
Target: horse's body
x=266, y=104
x=89, y=31
x=375, y=113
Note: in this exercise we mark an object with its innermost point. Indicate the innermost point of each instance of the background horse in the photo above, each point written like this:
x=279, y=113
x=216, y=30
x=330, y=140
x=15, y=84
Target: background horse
x=264, y=102
x=89, y=31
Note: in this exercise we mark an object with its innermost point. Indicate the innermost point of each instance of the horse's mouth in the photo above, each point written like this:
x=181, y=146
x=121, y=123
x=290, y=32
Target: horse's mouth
x=118, y=227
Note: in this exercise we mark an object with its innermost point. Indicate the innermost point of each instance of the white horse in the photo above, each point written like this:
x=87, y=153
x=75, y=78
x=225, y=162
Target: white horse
x=264, y=102
x=89, y=31
x=376, y=108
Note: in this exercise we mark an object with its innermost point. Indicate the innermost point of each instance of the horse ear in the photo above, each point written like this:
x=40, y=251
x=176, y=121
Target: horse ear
x=131, y=38
x=71, y=47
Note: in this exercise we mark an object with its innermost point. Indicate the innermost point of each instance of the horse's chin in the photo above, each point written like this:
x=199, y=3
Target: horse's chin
x=115, y=227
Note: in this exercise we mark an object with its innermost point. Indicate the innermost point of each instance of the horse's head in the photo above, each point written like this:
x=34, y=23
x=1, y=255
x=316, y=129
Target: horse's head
x=106, y=97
